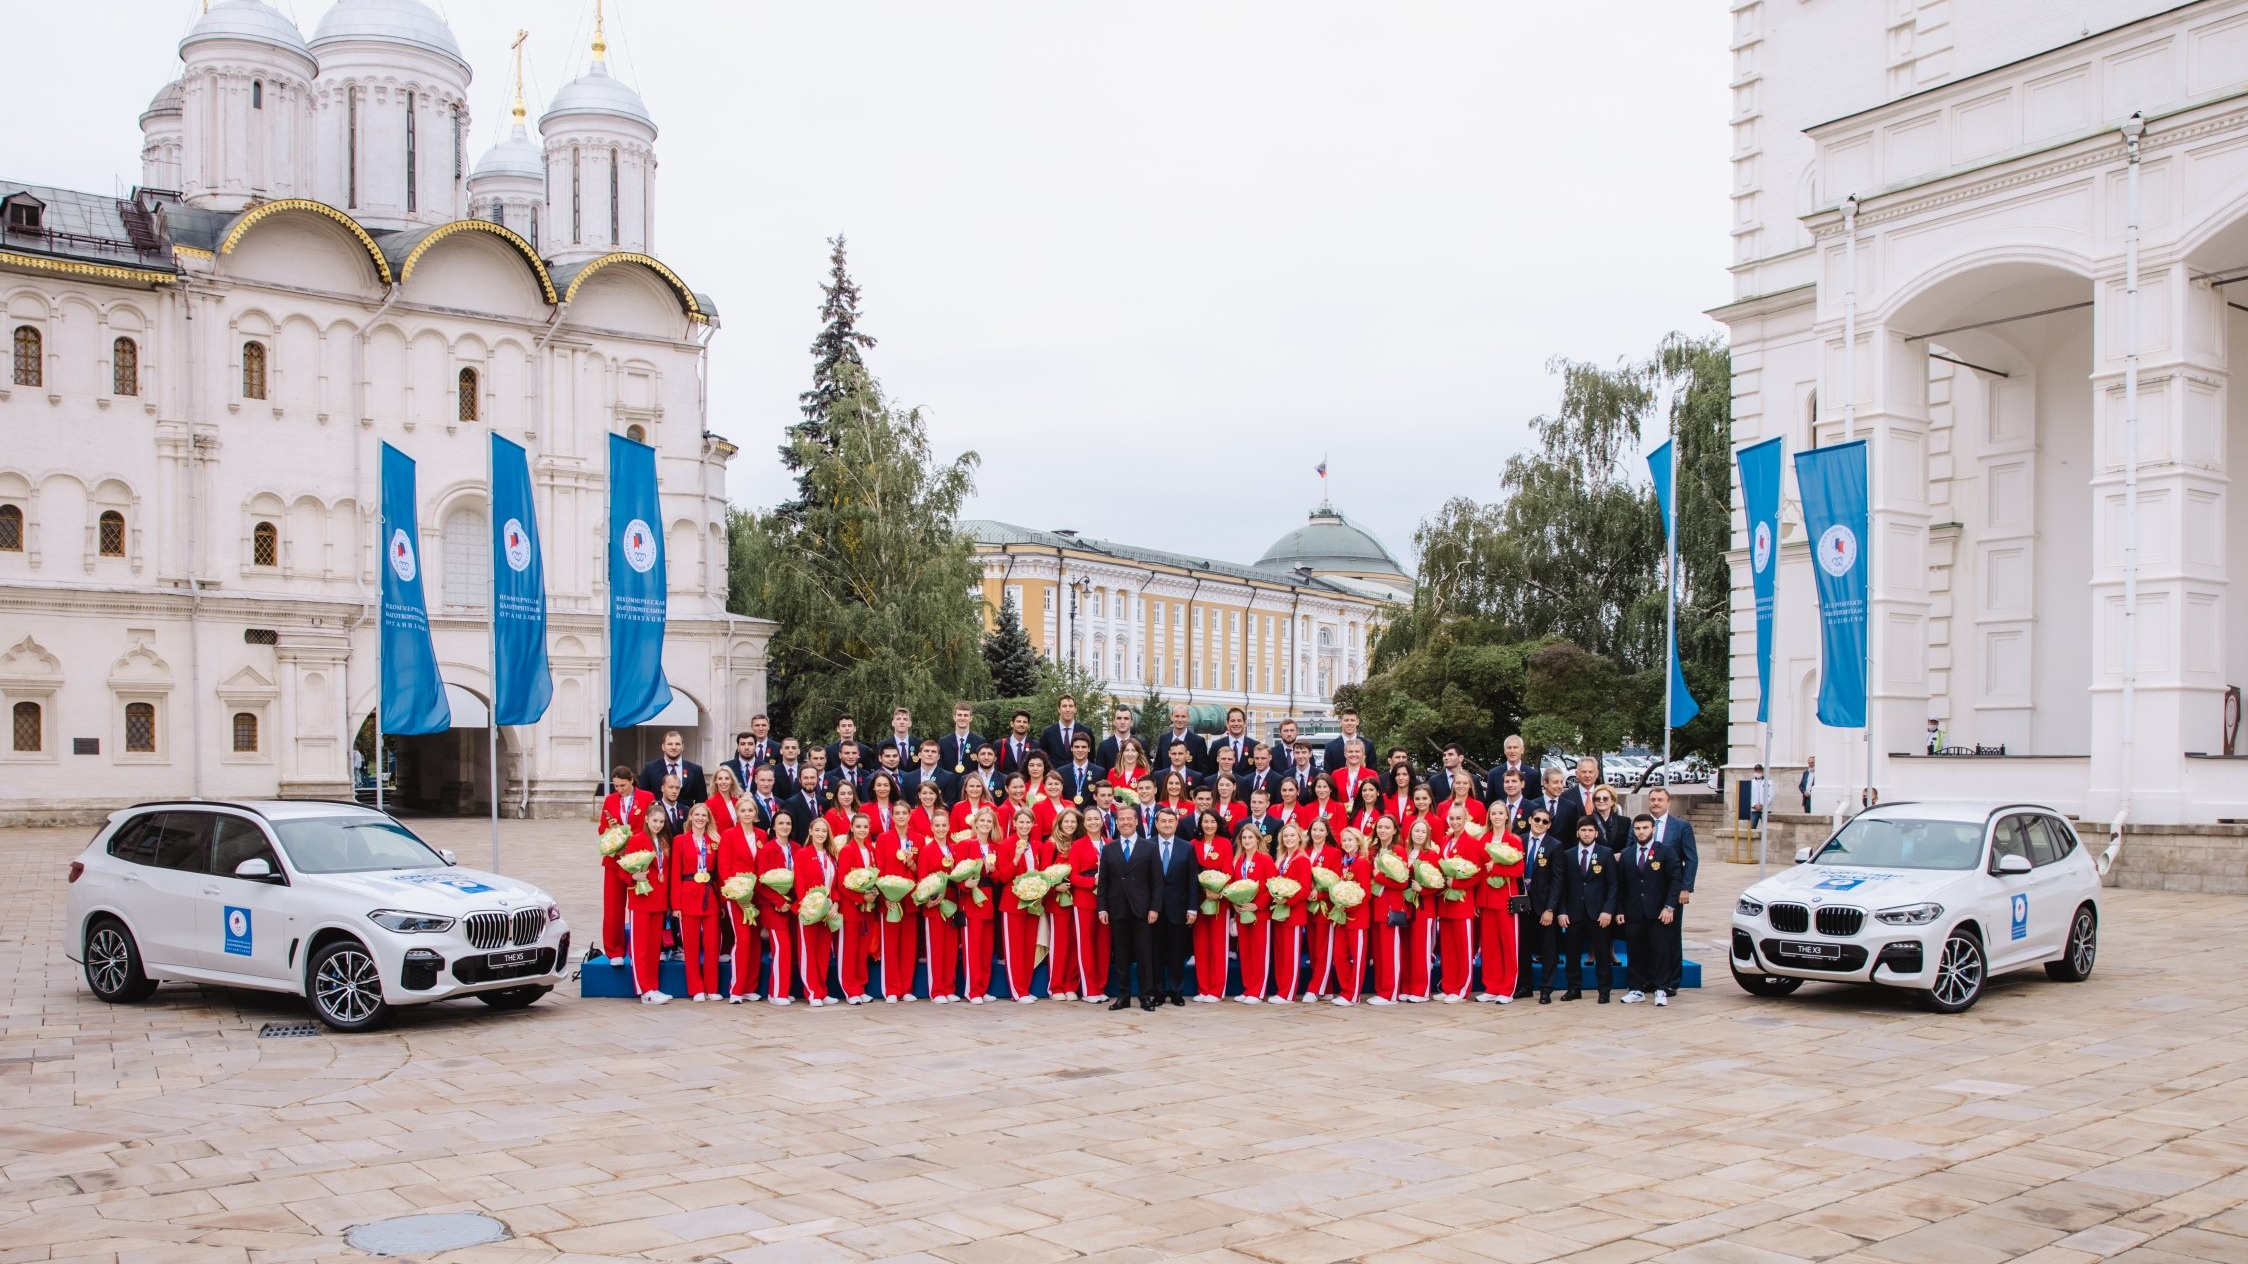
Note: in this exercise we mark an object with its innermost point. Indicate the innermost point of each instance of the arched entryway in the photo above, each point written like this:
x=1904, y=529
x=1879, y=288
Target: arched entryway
x=635, y=746
x=438, y=774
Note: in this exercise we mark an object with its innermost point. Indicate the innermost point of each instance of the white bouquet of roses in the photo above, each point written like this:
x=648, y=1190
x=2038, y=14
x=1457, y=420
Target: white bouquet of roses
x=636, y=864
x=741, y=889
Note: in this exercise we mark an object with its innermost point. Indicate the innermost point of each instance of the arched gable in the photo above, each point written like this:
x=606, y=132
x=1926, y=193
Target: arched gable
x=307, y=210
x=688, y=302
x=411, y=253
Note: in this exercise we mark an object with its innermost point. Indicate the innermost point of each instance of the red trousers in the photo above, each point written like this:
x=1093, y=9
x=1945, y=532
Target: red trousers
x=698, y=944
x=814, y=946
x=1288, y=958
x=1254, y=940
x=1018, y=950
x=1350, y=962
x=975, y=956
x=1420, y=950
x=897, y=943
x=780, y=937
x=1061, y=952
x=1209, y=953
x=612, y=914
x=646, y=940
x=1322, y=934
x=1455, y=939
x=853, y=945
x=1389, y=959
x=1499, y=964
x=940, y=947
x=749, y=952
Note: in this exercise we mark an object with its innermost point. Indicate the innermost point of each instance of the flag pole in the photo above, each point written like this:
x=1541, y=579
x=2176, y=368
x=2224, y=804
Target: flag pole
x=382, y=617
x=1670, y=607
x=492, y=652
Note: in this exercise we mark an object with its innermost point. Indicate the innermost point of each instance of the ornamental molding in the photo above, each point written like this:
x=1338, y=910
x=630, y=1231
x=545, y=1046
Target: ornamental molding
x=99, y=271
x=29, y=668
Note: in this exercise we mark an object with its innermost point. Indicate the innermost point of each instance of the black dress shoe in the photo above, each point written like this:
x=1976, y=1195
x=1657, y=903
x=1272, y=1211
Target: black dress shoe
x=1178, y=998
x=1572, y=995
x=1603, y=998
x=1121, y=1002
x=1149, y=1004
x=1545, y=998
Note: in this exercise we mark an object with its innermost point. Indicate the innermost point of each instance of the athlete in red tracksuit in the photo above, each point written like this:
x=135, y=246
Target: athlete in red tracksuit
x=776, y=913
x=694, y=897
x=647, y=909
x=976, y=900
x=1088, y=939
x=1420, y=950
x=627, y=807
x=1213, y=853
x=899, y=941
x=816, y=868
x=1393, y=902
x=862, y=914
x=1455, y=929
x=1351, y=865
x=1021, y=851
x=737, y=854
x=1253, y=938
x=1290, y=920
x=940, y=939
x=1062, y=982
x=1499, y=931
x=1319, y=931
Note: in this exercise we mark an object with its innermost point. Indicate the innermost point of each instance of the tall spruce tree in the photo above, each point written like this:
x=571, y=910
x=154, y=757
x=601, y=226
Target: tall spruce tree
x=1009, y=655
x=839, y=343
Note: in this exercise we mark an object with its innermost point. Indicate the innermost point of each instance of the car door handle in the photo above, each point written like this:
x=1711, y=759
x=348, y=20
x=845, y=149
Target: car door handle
x=211, y=888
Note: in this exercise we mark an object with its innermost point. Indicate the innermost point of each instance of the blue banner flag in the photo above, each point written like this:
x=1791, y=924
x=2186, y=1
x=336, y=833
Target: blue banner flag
x=1662, y=463
x=1760, y=497
x=413, y=697
x=1833, y=484
x=637, y=689
x=523, y=687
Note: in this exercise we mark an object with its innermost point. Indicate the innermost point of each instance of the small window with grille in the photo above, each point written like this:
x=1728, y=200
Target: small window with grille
x=245, y=732
x=29, y=369
x=265, y=545
x=253, y=370
x=140, y=728
x=468, y=394
x=11, y=529
x=30, y=732
x=112, y=533
x=124, y=367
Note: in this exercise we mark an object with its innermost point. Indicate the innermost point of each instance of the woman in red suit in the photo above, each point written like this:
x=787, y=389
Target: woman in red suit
x=1351, y=865
x=1253, y=938
x=1288, y=920
x=1021, y=851
x=737, y=854
x=1061, y=949
x=1455, y=931
x=1289, y=807
x=898, y=857
x=1399, y=799
x=862, y=914
x=694, y=897
x=974, y=795
x=846, y=806
x=627, y=807
x=647, y=911
x=883, y=806
x=1420, y=949
x=975, y=900
x=1392, y=917
x=1172, y=794
x=940, y=936
x=1088, y=939
x=817, y=868
x=928, y=819
x=1421, y=807
x=1213, y=852
x=1131, y=764
x=1496, y=919
x=1048, y=800
x=1319, y=932
x=1463, y=798
x=1229, y=808
x=776, y=913
x=1324, y=802
x=1367, y=808
x=725, y=793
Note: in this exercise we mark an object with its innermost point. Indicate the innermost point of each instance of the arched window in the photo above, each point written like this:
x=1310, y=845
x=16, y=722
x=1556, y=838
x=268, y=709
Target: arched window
x=257, y=94
x=468, y=394
x=253, y=370
x=468, y=556
x=124, y=367
x=11, y=529
x=245, y=733
x=29, y=370
x=140, y=728
x=112, y=533
x=265, y=545
x=30, y=733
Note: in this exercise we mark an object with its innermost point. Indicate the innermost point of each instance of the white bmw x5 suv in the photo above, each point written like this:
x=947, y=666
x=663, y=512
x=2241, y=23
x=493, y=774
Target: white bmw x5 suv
x=333, y=902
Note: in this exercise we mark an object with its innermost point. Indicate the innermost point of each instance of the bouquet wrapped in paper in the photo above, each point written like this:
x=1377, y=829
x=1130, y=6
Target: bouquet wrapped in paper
x=1323, y=882
x=613, y=840
x=1345, y=896
x=1126, y=794
x=1458, y=869
x=1394, y=871
x=1428, y=877
x=742, y=890
x=1057, y=875
x=1030, y=890
x=1242, y=895
x=1283, y=890
x=1213, y=884
x=931, y=891
x=969, y=873
x=636, y=865
x=816, y=909
x=1502, y=857
x=894, y=889
x=860, y=882
x=779, y=880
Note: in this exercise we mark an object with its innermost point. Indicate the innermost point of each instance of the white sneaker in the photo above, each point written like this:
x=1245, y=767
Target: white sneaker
x=1634, y=997
x=656, y=998
x=736, y=1000
x=976, y=1000
x=941, y=998
x=1025, y=999
x=1661, y=999
x=1342, y=1000
x=889, y=1000
x=908, y=999
x=1379, y=1000
x=753, y=997
x=1413, y=1000
x=1310, y=996
x=1504, y=998
x=1252, y=1000
x=1282, y=1000
x=1097, y=998
x=784, y=1000
x=1485, y=996
x=1450, y=999
x=1208, y=1000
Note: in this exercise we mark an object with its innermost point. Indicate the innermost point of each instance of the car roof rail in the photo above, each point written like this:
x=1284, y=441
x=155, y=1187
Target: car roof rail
x=199, y=803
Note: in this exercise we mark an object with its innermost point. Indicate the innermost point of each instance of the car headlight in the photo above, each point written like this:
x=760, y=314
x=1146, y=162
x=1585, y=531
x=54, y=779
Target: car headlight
x=554, y=912
x=1749, y=908
x=410, y=923
x=1910, y=914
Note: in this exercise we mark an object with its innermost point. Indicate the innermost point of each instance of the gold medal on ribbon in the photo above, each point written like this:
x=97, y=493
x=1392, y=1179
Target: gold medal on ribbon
x=702, y=875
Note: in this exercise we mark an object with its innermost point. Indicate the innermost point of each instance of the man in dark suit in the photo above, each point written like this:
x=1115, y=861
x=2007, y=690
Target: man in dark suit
x=1177, y=898
x=1652, y=879
x=1513, y=758
x=1535, y=936
x=1178, y=735
x=751, y=748
x=1178, y=758
x=1080, y=775
x=1119, y=732
x=1333, y=759
x=1235, y=738
x=901, y=738
x=1582, y=903
x=787, y=764
x=1576, y=797
x=1553, y=795
x=1259, y=775
x=764, y=797
x=1284, y=749
x=847, y=738
x=1125, y=893
x=957, y=749
x=927, y=768
x=1454, y=767
x=1064, y=730
x=849, y=769
x=1679, y=832
x=669, y=803
x=674, y=763
x=1017, y=745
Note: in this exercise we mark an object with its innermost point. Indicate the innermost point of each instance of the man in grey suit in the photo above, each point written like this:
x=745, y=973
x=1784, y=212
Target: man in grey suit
x=1125, y=893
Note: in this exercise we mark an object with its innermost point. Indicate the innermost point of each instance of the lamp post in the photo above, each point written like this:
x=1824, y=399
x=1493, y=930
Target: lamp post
x=1078, y=588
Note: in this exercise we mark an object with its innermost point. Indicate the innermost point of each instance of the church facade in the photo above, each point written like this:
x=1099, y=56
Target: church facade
x=1935, y=206
x=201, y=372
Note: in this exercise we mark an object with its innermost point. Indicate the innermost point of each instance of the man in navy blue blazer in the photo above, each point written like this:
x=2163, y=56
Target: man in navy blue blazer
x=1178, y=897
x=1679, y=832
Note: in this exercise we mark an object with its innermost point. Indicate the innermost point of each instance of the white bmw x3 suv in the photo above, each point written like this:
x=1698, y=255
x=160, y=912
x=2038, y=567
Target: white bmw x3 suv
x=1934, y=897
x=333, y=902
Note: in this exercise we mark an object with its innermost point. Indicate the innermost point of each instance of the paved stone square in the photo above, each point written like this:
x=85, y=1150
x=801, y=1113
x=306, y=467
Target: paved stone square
x=2053, y=1123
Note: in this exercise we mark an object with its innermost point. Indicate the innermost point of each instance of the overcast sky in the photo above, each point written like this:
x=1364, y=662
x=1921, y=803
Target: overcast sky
x=1152, y=261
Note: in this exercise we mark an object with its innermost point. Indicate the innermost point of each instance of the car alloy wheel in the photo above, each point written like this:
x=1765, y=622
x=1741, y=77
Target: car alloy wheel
x=2081, y=952
x=1959, y=974
x=113, y=968
x=347, y=987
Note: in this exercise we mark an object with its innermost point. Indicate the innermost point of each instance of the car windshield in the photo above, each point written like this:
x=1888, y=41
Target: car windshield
x=353, y=844
x=1904, y=843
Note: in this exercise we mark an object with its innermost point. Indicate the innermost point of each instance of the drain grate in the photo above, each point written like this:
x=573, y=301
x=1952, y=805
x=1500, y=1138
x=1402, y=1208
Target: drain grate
x=287, y=1031
x=420, y=1235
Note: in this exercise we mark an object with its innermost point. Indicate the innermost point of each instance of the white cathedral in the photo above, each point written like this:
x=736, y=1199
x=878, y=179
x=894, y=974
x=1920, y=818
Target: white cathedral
x=312, y=264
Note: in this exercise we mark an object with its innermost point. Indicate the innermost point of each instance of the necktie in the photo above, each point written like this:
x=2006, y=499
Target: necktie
x=1646, y=853
x=1127, y=851
x=1584, y=859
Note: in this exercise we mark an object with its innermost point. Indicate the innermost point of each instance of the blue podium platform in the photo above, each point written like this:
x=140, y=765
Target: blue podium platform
x=611, y=977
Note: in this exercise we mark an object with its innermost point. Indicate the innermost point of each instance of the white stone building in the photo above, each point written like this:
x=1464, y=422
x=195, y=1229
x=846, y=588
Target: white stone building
x=1985, y=148
x=201, y=372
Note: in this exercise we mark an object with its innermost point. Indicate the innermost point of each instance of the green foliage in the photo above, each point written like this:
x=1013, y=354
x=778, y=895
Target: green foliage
x=837, y=348
x=1008, y=653
x=1151, y=715
x=1057, y=678
x=874, y=590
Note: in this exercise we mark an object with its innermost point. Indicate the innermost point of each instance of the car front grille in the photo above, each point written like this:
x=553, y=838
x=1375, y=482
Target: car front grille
x=485, y=930
x=530, y=923
x=1789, y=919
x=1841, y=922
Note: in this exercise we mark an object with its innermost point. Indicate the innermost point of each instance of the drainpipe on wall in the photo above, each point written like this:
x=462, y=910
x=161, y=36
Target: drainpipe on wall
x=367, y=599
x=1873, y=458
x=2133, y=128
x=194, y=559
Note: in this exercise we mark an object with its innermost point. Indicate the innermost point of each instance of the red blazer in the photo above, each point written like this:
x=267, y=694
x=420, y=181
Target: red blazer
x=1232, y=813
x=891, y=822
x=689, y=897
x=853, y=856
x=633, y=817
x=811, y=873
x=1491, y=897
x=1361, y=871
x=899, y=857
x=658, y=900
x=964, y=815
x=1085, y=870
x=1382, y=894
x=1467, y=847
x=1041, y=854
x=737, y=853
x=1476, y=812
x=1125, y=780
x=965, y=897
x=1257, y=868
x=772, y=904
x=1047, y=811
x=1218, y=855
x=1363, y=820
x=1399, y=805
x=1299, y=868
x=721, y=814
x=1429, y=899
x=839, y=824
x=1347, y=779
x=920, y=829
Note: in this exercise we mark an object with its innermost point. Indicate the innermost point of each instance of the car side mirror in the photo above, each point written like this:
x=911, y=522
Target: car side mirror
x=447, y=853
x=1803, y=855
x=256, y=869
x=2012, y=864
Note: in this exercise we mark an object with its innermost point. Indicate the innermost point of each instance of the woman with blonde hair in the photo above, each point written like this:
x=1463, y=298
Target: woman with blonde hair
x=817, y=868
x=724, y=800
x=1131, y=765
x=1354, y=865
x=1288, y=919
x=1252, y=938
x=1394, y=900
x=694, y=897
x=1022, y=851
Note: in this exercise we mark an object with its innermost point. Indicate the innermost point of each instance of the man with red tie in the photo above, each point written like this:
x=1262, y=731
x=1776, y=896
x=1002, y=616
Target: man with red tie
x=1064, y=730
x=1236, y=739
x=628, y=807
x=1017, y=745
x=1079, y=773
